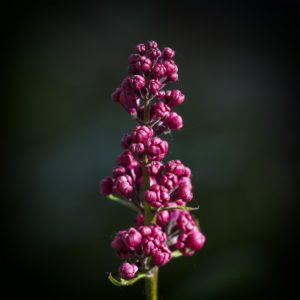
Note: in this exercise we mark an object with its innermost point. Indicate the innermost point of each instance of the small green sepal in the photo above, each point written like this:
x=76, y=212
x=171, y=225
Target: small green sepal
x=176, y=254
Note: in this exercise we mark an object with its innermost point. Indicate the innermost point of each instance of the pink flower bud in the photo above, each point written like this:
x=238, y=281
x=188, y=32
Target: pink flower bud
x=126, y=141
x=157, y=196
x=125, y=159
x=168, y=95
x=126, y=84
x=137, y=149
x=141, y=49
x=180, y=202
x=143, y=63
x=195, y=239
x=132, y=238
x=132, y=69
x=133, y=58
x=155, y=168
x=139, y=221
x=186, y=194
x=153, y=86
x=168, y=52
x=161, y=255
x=181, y=241
x=115, y=96
x=149, y=243
x=157, y=149
x=152, y=44
x=127, y=96
x=137, y=82
x=154, y=53
x=123, y=185
x=118, y=240
x=175, y=167
x=172, y=77
x=152, y=180
x=185, y=222
x=159, y=70
x=170, y=66
x=185, y=181
x=183, y=192
x=158, y=234
x=133, y=113
x=169, y=180
x=153, y=237
x=162, y=217
x=127, y=270
x=187, y=172
x=181, y=245
x=141, y=134
x=160, y=95
x=118, y=171
x=174, y=97
x=106, y=186
x=161, y=110
x=145, y=230
x=175, y=121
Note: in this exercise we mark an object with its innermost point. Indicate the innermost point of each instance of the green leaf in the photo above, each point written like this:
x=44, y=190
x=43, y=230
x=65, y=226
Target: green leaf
x=123, y=202
x=124, y=282
x=176, y=254
x=180, y=207
x=114, y=281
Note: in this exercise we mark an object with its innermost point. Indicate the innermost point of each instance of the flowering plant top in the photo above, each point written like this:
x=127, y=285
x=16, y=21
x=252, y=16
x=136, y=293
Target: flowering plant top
x=163, y=228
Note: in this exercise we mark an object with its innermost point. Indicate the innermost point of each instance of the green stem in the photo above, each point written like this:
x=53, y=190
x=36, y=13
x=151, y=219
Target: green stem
x=149, y=218
x=151, y=285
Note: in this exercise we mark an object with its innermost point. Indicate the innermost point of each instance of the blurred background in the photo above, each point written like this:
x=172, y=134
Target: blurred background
x=238, y=67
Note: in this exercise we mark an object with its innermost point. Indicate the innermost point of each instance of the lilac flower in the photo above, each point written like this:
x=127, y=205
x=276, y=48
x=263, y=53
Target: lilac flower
x=158, y=192
x=127, y=270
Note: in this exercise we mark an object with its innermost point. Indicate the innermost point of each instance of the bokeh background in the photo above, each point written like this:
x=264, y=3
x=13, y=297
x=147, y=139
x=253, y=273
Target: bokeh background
x=239, y=71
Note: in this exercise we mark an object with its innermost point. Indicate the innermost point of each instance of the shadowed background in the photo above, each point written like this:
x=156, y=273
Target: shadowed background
x=237, y=66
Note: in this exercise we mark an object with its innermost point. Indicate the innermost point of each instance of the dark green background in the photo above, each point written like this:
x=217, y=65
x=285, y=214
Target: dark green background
x=237, y=65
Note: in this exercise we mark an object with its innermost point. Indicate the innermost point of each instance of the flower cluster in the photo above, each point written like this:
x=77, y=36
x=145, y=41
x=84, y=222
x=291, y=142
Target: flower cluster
x=136, y=245
x=151, y=69
x=140, y=178
x=182, y=231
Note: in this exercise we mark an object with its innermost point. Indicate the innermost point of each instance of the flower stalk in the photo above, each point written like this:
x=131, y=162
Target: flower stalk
x=149, y=218
x=151, y=285
x=163, y=228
